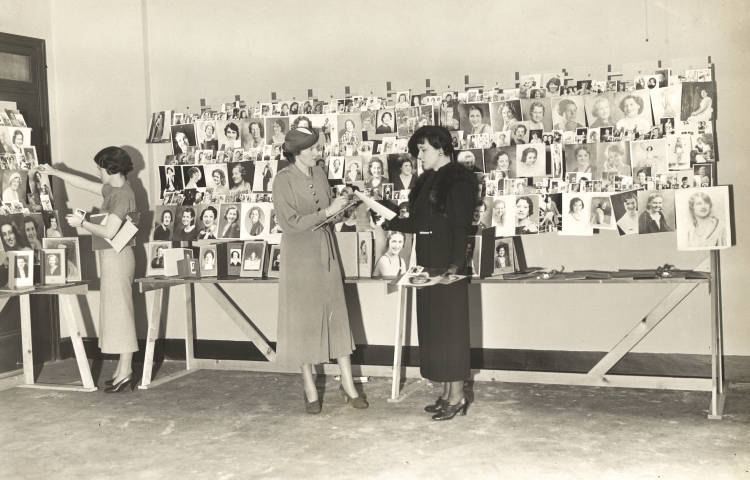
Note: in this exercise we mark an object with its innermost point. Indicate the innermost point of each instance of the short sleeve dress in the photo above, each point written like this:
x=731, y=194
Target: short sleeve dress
x=116, y=320
x=313, y=321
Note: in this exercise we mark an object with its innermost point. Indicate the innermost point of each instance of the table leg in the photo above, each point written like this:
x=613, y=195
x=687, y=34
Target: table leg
x=189, y=327
x=398, y=342
x=75, y=339
x=28, y=351
x=154, y=325
x=718, y=394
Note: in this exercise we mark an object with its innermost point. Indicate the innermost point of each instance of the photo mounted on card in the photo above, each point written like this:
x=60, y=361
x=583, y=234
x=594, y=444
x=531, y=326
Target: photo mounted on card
x=530, y=160
x=155, y=257
x=274, y=261
x=353, y=170
x=252, y=258
x=12, y=232
x=72, y=255
x=633, y=112
x=252, y=133
x=625, y=211
x=537, y=113
x=703, y=174
x=666, y=103
x=193, y=176
x=679, y=148
x=255, y=220
x=335, y=168
x=208, y=259
x=704, y=219
x=21, y=269
x=703, y=148
x=349, y=129
x=206, y=138
x=385, y=123
x=576, y=214
x=526, y=214
x=697, y=103
x=657, y=211
x=472, y=159
x=51, y=225
x=183, y=136
x=568, y=113
x=649, y=154
x=170, y=178
x=612, y=159
x=601, y=212
x=240, y=178
x=265, y=171
x=503, y=256
x=13, y=186
x=550, y=218
x=407, y=120
x=474, y=118
x=53, y=266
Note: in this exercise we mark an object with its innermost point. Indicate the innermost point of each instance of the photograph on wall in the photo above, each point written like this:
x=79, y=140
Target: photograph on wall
x=520, y=134
x=265, y=171
x=252, y=133
x=666, y=103
x=613, y=159
x=536, y=113
x=633, y=112
x=526, y=214
x=657, y=211
x=375, y=171
x=335, y=167
x=385, y=123
x=568, y=113
x=576, y=214
x=155, y=257
x=205, y=131
x=29, y=159
x=217, y=178
x=472, y=159
x=183, y=137
x=276, y=128
x=352, y=170
x=600, y=110
x=581, y=158
x=207, y=257
x=482, y=216
x=33, y=229
x=649, y=154
x=703, y=174
x=702, y=148
x=72, y=255
x=255, y=220
x=503, y=253
x=170, y=179
x=240, y=178
x=703, y=218
x=12, y=232
x=228, y=135
x=402, y=99
x=185, y=228
x=13, y=186
x=474, y=118
x=697, y=103
x=678, y=151
x=53, y=266
x=531, y=160
x=625, y=211
x=552, y=83
x=601, y=212
x=407, y=120
x=14, y=139
x=550, y=218
x=193, y=177
x=229, y=221
x=349, y=129
x=52, y=227
x=208, y=218
x=393, y=260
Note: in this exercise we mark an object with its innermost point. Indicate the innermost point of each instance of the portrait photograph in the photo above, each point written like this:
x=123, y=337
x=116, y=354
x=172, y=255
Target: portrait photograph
x=402, y=99
x=633, y=111
x=376, y=172
x=581, y=158
x=407, y=120
x=368, y=120
x=526, y=214
x=600, y=109
x=274, y=258
x=53, y=266
x=52, y=227
x=503, y=256
x=217, y=178
x=552, y=83
x=657, y=211
x=252, y=257
x=29, y=159
x=472, y=159
x=568, y=113
x=625, y=211
x=72, y=255
x=276, y=128
x=612, y=159
x=703, y=174
x=703, y=218
x=234, y=259
x=170, y=179
x=183, y=136
x=474, y=118
x=679, y=148
x=503, y=215
x=207, y=256
x=335, y=167
x=491, y=159
x=21, y=269
x=12, y=232
x=349, y=128
x=252, y=132
x=13, y=186
x=385, y=123
x=205, y=132
x=550, y=208
x=155, y=257
x=255, y=220
x=703, y=148
x=650, y=154
x=556, y=160
x=14, y=139
x=697, y=103
x=601, y=212
x=537, y=114
x=666, y=102
x=576, y=214
x=531, y=160
x=353, y=170
x=449, y=117
x=240, y=177
x=193, y=176
x=33, y=229
x=265, y=171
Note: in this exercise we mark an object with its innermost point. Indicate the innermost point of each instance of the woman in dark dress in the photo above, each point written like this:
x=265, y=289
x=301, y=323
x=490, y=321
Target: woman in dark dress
x=441, y=209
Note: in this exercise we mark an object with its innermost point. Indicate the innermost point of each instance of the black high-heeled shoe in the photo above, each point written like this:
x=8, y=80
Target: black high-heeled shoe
x=452, y=410
x=121, y=385
x=109, y=382
x=312, y=407
x=359, y=401
x=439, y=404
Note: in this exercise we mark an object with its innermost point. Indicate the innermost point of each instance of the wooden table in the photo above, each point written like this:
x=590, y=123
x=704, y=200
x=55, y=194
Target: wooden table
x=598, y=375
x=67, y=293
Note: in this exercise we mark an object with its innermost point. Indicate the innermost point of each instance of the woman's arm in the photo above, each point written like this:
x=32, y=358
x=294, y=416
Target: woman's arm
x=106, y=231
x=293, y=221
x=73, y=179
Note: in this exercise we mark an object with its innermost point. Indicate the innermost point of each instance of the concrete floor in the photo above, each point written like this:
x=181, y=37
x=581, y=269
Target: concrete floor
x=240, y=425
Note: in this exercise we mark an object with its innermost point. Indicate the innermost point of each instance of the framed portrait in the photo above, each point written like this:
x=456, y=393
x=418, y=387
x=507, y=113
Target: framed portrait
x=155, y=257
x=53, y=266
x=72, y=255
x=255, y=222
x=253, y=253
x=208, y=261
x=21, y=269
x=504, y=261
x=274, y=261
x=703, y=218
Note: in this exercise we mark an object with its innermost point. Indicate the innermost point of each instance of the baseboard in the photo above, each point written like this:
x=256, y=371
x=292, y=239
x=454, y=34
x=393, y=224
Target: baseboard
x=736, y=367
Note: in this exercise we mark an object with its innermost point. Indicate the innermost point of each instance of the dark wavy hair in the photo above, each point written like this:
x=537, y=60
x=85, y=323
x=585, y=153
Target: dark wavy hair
x=438, y=137
x=114, y=160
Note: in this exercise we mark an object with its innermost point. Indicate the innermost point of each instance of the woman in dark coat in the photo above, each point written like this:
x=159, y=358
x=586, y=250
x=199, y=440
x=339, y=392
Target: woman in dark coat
x=441, y=208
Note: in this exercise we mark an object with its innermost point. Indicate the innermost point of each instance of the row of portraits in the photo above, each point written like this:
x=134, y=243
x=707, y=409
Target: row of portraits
x=700, y=216
x=221, y=221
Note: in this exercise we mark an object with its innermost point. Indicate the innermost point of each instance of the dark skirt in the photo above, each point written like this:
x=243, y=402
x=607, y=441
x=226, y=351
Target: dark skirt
x=443, y=331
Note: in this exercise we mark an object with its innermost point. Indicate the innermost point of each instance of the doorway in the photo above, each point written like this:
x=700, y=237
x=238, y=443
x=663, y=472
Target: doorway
x=23, y=87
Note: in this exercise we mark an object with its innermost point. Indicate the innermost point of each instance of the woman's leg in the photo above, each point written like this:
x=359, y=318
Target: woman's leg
x=345, y=365
x=446, y=391
x=124, y=366
x=311, y=392
x=456, y=392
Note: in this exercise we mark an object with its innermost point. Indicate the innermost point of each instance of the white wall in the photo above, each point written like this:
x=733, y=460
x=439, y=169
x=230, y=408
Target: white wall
x=103, y=88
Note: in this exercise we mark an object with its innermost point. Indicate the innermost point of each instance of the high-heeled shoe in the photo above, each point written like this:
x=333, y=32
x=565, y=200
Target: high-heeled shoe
x=439, y=404
x=312, y=407
x=121, y=385
x=359, y=401
x=451, y=411
x=109, y=382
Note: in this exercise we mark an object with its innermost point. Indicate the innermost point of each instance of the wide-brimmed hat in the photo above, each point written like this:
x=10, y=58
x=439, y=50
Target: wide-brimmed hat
x=298, y=139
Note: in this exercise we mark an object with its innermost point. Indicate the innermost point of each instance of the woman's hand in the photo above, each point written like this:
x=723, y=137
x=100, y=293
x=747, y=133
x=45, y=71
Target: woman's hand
x=450, y=271
x=337, y=204
x=46, y=169
x=74, y=221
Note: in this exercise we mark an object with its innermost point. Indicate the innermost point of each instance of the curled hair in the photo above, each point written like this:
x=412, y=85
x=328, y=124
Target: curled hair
x=222, y=177
x=382, y=115
x=191, y=211
x=503, y=247
x=167, y=211
x=615, y=148
x=536, y=104
x=114, y=160
x=193, y=170
x=393, y=234
x=527, y=152
x=233, y=127
x=375, y=160
x=475, y=107
x=581, y=148
x=691, y=203
x=573, y=201
x=437, y=137
x=564, y=104
x=210, y=209
x=636, y=99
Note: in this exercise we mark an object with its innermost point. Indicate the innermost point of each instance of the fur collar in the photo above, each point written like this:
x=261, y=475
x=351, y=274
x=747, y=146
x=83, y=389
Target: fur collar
x=445, y=178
